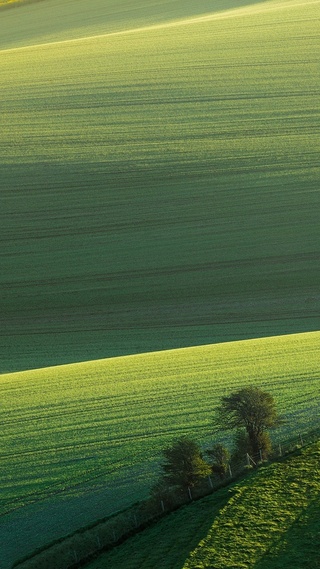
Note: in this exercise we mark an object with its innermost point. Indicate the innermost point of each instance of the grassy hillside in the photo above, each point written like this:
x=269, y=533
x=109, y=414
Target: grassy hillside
x=268, y=521
x=159, y=189
x=53, y=20
x=82, y=441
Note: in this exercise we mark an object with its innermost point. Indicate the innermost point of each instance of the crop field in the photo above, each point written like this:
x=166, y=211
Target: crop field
x=52, y=20
x=159, y=186
x=159, y=189
x=270, y=520
x=83, y=440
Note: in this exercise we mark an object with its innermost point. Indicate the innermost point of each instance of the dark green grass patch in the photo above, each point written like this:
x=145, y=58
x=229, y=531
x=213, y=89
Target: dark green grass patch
x=159, y=189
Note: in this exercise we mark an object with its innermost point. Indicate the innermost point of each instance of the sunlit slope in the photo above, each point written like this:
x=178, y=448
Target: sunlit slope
x=160, y=189
x=268, y=521
x=279, y=519
x=81, y=441
x=50, y=20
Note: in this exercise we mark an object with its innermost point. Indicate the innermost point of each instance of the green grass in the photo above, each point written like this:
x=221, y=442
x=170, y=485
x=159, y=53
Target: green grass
x=270, y=520
x=159, y=189
x=10, y=3
x=53, y=20
x=82, y=441
x=15, y=3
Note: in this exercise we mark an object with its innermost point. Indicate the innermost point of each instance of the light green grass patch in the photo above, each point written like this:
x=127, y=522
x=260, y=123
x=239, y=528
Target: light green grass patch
x=265, y=517
x=83, y=440
x=53, y=20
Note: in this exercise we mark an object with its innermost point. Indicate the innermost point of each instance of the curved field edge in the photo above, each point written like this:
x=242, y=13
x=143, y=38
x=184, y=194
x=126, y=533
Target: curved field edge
x=57, y=20
x=269, y=520
x=160, y=189
x=82, y=441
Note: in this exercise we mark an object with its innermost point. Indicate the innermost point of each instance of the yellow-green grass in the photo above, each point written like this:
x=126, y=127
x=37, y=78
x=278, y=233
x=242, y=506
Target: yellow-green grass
x=9, y=3
x=160, y=188
x=59, y=20
x=268, y=521
x=81, y=441
x=4, y=4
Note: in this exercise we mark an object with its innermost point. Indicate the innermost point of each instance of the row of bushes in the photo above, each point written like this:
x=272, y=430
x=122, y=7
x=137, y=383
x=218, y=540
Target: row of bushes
x=80, y=547
x=187, y=473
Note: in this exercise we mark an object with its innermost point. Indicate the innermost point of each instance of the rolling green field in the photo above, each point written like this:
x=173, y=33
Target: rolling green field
x=159, y=187
x=83, y=440
x=268, y=521
x=52, y=20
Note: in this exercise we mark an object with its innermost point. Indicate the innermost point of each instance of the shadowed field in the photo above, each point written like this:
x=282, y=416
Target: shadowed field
x=159, y=189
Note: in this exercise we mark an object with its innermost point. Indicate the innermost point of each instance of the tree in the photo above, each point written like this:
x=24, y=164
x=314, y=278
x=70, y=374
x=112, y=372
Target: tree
x=254, y=410
x=242, y=446
x=184, y=466
x=220, y=457
x=161, y=491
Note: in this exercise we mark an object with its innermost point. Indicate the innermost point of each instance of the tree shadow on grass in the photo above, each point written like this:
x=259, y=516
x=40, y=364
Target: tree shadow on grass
x=169, y=542
x=299, y=547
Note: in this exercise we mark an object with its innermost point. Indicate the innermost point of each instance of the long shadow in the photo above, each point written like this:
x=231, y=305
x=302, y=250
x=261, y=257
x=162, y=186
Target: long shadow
x=169, y=542
x=299, y=547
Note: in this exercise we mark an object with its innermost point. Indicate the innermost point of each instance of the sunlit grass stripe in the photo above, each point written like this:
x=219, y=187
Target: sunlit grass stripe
x=4, y=4
x=159, y=396
x=263, y=516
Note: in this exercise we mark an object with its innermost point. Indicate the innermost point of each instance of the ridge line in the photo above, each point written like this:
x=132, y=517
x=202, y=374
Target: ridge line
x=209, y=16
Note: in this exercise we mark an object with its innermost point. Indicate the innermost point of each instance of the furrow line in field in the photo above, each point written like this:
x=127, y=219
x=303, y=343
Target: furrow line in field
x=240, y=12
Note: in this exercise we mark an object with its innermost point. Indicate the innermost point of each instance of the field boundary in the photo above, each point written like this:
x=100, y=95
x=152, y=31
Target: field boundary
x=180, y=22
x=87, y=543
